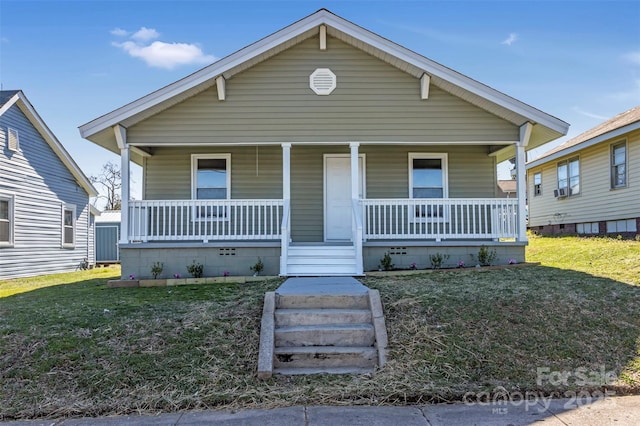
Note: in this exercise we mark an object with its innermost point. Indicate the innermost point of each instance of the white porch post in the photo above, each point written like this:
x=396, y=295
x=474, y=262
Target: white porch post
x=521, y=179
x=355, y=197
x=121, y=139
x=286, y=196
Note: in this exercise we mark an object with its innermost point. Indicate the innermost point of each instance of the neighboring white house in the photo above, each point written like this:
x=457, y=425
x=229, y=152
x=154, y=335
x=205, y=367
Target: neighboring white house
x=319, y=149
x=46, y=221
x=589, y=185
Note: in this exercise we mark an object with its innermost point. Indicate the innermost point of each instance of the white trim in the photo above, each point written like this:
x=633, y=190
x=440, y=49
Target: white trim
x=431, y=155
x=65, y=208
x=221, y=88
x=286, y=34
x=194, y=178
x=319, y=143
x=25, y=106
x=425, y=80
x=363, y=188
x=323, y=37
x=586, y=144
x=10, y=198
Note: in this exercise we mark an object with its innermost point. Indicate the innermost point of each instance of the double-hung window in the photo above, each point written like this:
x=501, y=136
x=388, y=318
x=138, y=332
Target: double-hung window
x=427, y=180
x=211, y=180
x=68, y=225
x=619, y=165
x=6, y=221
x=537, y=184
x=569, y=177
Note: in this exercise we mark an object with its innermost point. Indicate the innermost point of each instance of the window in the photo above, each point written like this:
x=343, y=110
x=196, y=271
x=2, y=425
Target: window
x=587, y=228
x=569, y=177
x=428, y=179
x=13, y=142
x=537, y=184
x=6, y=221
x=68, y=225
x=628, y=225
x=619, y=165
x=211, y=180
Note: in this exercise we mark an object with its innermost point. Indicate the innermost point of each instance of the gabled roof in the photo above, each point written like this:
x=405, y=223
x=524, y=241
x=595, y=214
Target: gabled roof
x=622, y=123
x=8, y=98
x=546, y=127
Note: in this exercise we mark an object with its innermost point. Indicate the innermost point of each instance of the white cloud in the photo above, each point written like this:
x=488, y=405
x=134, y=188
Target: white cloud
x=160, y=54
x=590, y=114
x=510, y=40
x=633, y=57
x=166, y=55
x=145, y=34
x=119, y=32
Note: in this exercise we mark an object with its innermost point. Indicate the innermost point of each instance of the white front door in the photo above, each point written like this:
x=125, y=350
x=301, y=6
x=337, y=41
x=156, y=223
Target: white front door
x=337, y=196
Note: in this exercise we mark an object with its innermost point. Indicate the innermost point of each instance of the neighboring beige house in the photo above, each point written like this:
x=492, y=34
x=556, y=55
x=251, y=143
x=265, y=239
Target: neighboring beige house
x=318, y=149
x=590, y=184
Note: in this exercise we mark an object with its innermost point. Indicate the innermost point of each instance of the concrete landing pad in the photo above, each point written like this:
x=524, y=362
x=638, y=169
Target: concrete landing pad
x=335, y=286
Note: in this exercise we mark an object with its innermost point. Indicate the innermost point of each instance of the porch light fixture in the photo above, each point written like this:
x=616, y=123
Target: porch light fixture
x=322, y=81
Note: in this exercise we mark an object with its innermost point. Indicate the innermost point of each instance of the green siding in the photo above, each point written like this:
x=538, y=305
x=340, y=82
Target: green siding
x=256, y=172
x=272, y=102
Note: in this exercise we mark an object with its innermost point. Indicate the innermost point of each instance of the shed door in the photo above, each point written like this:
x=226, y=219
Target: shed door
x=337, y=200
x=107, y=244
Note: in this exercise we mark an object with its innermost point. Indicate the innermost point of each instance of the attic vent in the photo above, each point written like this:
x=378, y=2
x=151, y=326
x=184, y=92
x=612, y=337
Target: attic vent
x=322, y=81
x=13, y=144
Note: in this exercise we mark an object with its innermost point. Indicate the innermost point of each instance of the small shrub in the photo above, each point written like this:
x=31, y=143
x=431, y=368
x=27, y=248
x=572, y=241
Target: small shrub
x=195, y=269
x=437, y=260
x=385, y=262
x=257, y=267
x=486, y=257
x=156, y=269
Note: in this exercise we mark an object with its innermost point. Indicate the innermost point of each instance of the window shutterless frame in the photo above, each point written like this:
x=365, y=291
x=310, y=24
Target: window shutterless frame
x=619, y=165
x=68, y=226
x=569, y=177
x=428, y=180
x=537, y=184
x=210, y=180
x=6, y=220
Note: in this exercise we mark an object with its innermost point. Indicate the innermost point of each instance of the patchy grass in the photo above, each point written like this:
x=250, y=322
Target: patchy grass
x=85, y=349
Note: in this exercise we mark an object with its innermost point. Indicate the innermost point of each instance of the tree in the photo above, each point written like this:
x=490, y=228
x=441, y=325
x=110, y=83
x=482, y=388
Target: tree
x=110, y=179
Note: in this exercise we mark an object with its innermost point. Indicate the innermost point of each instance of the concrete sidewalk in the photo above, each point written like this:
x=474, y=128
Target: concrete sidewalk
x=621, y=411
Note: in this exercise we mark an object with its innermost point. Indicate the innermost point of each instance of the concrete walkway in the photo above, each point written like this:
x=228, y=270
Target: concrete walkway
x=619, y=411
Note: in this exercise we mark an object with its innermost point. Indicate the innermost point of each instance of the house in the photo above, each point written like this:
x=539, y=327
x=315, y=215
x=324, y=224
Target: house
x=46, y=221
x=108, y=236
x=507, y=188
x=318, y=149
x=589, y=185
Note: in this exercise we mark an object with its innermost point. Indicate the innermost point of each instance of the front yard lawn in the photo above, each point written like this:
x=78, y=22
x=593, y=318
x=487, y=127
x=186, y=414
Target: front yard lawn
x=84, y=349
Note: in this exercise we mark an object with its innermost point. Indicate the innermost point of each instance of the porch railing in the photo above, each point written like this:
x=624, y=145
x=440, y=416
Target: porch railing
x=205, y=220
x=443, y=218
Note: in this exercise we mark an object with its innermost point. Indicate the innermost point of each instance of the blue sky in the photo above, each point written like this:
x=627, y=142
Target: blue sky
x=77, y=60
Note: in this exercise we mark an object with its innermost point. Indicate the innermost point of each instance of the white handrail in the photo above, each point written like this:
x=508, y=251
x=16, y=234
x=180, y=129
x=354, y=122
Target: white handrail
x=440, y=218
x=285, y=236
x=205, y=220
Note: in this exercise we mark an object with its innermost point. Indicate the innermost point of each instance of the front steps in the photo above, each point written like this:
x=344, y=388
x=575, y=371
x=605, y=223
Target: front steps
x=321, y=325
x=321, y=260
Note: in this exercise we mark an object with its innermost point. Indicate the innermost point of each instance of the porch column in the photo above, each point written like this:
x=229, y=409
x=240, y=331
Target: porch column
x=286, y=196
x=356, y=225
x=121, y=139
x=286, y=171
x=521, y=179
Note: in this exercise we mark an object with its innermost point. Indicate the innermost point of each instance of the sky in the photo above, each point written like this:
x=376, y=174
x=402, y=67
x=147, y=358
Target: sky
x=76, y=60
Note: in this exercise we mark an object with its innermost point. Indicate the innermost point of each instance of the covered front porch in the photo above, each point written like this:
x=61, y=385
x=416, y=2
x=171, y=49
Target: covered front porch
x=354, y=228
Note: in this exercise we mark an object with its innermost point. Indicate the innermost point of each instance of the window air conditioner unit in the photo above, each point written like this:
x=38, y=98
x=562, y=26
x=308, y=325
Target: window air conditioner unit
x=559, y=193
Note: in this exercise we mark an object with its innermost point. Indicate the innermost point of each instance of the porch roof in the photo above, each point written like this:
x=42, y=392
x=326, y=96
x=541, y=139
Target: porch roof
x=545, y=127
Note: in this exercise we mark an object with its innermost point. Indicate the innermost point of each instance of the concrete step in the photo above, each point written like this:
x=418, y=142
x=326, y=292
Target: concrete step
x=323, y=370
x=325, y=357
x=321, y=261
x=322, y=301
x=311, y=270
x=325, y=335
x=291, y=317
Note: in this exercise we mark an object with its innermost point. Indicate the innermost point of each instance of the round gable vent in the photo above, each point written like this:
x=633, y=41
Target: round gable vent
x=322, y=81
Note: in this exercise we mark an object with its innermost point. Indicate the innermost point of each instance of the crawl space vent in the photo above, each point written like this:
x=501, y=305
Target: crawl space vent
x=322, y=81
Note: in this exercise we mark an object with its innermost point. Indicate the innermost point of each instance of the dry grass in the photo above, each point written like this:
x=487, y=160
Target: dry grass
x=85, y=349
